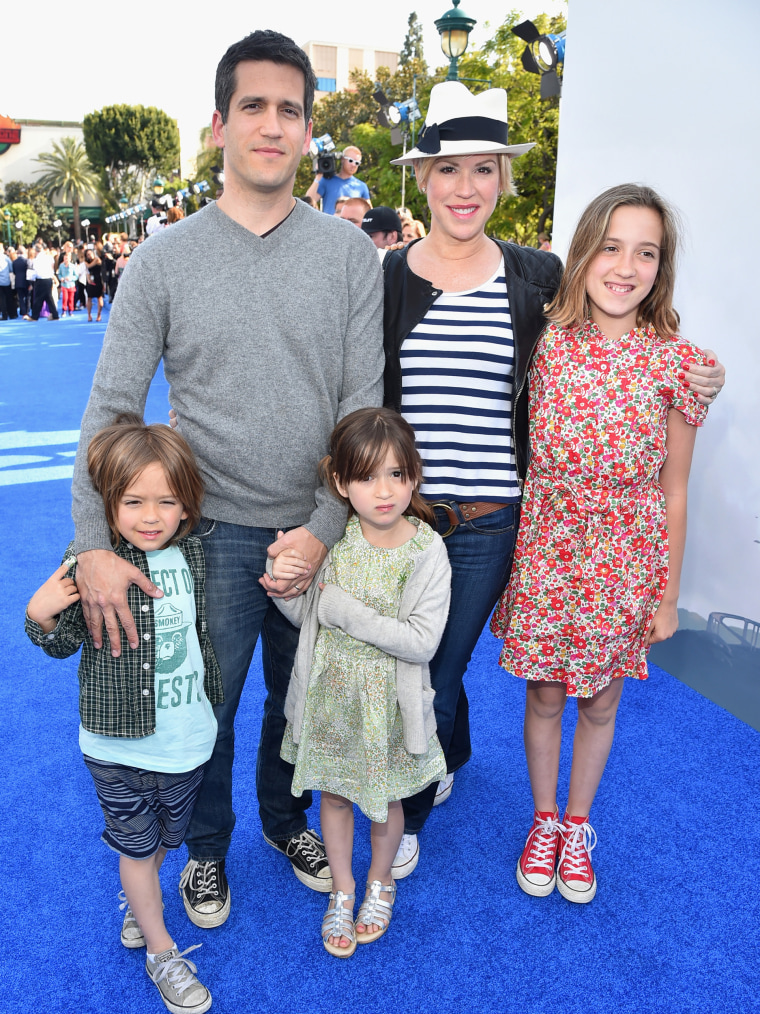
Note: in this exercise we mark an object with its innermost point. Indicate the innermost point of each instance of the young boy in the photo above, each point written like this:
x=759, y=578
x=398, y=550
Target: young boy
x=147, y=725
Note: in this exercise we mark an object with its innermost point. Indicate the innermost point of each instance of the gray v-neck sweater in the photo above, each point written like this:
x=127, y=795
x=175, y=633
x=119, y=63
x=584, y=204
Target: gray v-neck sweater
x=266, y=343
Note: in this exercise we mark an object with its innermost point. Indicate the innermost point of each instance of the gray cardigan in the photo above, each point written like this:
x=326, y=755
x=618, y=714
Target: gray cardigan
x=412, y=638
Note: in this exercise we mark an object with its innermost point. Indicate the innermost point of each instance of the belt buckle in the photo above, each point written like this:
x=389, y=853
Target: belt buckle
x=449, y=508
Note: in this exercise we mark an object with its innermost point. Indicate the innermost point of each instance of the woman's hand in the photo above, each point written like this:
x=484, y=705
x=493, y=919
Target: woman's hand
x=706, y=382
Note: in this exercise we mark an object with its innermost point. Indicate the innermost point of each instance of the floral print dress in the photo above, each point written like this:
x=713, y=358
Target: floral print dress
x=352, y=737
x=591, y=562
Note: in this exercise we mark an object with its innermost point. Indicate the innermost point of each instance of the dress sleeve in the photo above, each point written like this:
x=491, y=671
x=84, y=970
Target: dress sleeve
x=676, y=351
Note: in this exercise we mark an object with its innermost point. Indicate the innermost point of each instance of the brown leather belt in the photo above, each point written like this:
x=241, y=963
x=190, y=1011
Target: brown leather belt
x=470, y=511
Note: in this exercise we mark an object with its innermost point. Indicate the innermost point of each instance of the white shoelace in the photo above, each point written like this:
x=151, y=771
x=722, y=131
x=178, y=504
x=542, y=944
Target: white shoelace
x=178, y=971
x=204, y=881
x=579, y=842
x=544, y=845
x=408, y=846
x=306, y=846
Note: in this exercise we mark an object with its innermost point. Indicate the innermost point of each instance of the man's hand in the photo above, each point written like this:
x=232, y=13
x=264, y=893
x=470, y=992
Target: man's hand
x=102, y=580
x=55, y=595
x=705, y=381
x=311, y=551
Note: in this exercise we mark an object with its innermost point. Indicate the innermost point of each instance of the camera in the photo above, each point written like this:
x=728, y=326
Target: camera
x=323, y=159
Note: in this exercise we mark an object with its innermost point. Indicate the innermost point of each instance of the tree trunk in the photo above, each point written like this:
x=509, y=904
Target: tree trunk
x=75, y=209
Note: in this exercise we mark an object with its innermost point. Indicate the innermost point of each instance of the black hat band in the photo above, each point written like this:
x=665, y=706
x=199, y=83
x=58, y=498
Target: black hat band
x=463, y=128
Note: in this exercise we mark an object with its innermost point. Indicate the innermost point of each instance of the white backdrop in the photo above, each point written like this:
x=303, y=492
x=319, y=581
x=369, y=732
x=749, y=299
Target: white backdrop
x=649, y=97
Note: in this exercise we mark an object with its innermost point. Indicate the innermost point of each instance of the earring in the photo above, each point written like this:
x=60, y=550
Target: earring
x=423, y=190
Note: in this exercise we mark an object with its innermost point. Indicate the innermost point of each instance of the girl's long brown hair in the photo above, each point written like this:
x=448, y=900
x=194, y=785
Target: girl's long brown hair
x=359, y=444
x=570, y=307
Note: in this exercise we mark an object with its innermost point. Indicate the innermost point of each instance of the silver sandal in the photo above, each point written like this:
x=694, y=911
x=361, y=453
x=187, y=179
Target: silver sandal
x=339, y=922
x=374, y=911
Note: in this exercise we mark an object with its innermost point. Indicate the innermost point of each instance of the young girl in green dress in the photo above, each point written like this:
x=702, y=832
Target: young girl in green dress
x=361, y=726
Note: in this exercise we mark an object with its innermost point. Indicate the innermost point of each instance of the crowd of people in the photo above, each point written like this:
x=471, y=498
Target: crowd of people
x=50, y=281
x=477, y=426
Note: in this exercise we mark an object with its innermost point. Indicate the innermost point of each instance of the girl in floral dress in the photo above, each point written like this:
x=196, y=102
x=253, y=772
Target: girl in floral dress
x=361, y=726
x=601, y=539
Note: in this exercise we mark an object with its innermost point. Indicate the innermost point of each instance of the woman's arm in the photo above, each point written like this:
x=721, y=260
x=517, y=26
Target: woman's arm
x=674, y=479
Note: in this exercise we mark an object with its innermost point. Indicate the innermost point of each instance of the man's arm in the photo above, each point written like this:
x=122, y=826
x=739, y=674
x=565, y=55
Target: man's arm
x=363, y=364
x=132, y=349
x=705, y=381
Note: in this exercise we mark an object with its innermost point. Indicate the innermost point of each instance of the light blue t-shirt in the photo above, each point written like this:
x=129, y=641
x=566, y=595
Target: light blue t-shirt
x=330, y=190
x=185, y=723
x=5, y=268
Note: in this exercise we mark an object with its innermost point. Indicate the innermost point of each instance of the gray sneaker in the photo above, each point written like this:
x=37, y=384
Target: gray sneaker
x=131, y=934
x=174, y=976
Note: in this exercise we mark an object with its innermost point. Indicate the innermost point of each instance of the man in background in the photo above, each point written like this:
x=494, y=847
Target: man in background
x=343, y=184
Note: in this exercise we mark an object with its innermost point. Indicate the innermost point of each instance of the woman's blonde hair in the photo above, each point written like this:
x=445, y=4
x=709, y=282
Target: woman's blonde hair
x=570, y=307
x=424, y=166
x=358, y=446
x=119, y=453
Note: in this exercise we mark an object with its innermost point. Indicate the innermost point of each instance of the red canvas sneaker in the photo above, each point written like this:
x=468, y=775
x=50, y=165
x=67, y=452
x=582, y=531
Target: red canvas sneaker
x=536, y=868
x=575, y=875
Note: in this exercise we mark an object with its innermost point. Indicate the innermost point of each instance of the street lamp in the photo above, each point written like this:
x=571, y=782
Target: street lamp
x=84, y=223
x=57, y=225
x=7, y=217
x=454, y=28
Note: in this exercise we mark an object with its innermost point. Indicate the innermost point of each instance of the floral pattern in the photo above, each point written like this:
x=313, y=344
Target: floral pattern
x=352, y=737
x=591, y=562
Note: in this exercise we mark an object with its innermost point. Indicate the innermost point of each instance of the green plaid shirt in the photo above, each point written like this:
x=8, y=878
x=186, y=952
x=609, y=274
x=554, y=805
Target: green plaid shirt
x=117, y=695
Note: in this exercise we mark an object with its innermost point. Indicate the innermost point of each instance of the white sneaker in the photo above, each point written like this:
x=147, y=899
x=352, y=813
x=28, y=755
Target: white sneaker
x=443, y=791
x=407, y=857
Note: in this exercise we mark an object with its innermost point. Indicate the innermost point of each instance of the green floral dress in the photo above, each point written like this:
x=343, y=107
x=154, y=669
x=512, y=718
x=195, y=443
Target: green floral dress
x=352, y=741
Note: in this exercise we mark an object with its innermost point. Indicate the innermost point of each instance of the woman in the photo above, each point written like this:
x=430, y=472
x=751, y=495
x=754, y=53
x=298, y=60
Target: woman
x=411, y=229
x=463, y=314
x=93, y=283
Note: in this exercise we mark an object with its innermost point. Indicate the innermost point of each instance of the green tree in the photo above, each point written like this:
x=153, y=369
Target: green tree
x=68, y=172
x=19, y=213
x=208, y=164
x=35, y=197
x=129, y=145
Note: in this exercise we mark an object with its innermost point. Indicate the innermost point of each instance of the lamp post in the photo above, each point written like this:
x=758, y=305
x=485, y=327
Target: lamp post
x=19, y=228
x=57, y=226
x=7, y=217
x=454, y=28
x=85, y=223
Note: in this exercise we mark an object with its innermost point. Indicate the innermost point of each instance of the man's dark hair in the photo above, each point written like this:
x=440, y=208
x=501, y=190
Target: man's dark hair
x=262, y=45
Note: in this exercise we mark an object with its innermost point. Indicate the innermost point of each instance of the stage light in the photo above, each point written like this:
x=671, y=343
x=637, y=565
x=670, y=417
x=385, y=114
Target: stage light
x=542, y=55
x=321, y=146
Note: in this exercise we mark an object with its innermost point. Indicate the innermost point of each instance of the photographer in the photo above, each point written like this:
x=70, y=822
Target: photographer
x=343, y=184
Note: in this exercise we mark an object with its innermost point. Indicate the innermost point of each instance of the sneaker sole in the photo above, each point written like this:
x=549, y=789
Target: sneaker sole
x=201, y=1008
x=409, y=867
x=443, y=796
x=323, y=885
x=535, y=890
x=206, y=920
x=577, y=897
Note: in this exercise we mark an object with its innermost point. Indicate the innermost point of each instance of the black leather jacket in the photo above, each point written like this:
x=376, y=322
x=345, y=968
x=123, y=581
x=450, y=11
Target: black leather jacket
x=532, y=280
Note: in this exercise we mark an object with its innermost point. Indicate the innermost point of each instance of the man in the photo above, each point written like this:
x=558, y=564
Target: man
x=43, y=266
x=354, y=210
x=19, y=269
x=7, y=309
x=383, y=226
x=268, y=319
x=343, y=184
x=157, y=220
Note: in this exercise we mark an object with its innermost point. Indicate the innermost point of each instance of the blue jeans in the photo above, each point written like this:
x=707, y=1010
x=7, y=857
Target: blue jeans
x=238, y=610
x=480, y=553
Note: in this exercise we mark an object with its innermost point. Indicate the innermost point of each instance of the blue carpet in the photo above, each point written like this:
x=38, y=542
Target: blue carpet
x=673, y=927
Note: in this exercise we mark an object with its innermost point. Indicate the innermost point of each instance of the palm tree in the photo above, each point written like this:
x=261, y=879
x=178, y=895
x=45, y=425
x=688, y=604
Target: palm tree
x=68, y=171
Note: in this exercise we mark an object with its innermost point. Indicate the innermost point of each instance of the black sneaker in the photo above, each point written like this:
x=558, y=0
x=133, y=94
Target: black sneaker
x=306, y=852
x=205, y=892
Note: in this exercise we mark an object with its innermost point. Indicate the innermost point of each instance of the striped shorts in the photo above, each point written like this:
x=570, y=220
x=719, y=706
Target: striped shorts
x=144, y=810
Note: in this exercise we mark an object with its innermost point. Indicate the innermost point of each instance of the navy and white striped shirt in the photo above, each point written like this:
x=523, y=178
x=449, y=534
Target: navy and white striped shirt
x=457, y=369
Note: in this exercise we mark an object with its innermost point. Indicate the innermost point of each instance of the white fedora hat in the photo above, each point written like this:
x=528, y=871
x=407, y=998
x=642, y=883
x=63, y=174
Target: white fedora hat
x=460, y=123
